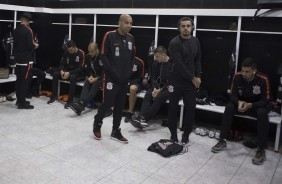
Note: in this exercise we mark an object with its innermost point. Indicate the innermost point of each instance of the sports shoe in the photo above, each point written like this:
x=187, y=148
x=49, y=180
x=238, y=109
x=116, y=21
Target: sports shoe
x=77, y=107
x=52, y=100
x=220, y=145
x=185, y=138
x=128, y=117
x=259, y=158
x=67, y=105
x=116, y=135
x=174, y=138
x=26, y=106
x=138, y=122
x=97, y=130
x=26, y=103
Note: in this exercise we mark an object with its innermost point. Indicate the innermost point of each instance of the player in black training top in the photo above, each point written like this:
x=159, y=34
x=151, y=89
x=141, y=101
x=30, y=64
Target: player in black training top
x=70, y=69
x=250, y=94
x=185, y=52
x=118, y=51
x=24, y=45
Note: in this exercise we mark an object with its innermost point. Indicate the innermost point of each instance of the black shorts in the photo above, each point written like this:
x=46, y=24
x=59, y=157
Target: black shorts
x=139, y=86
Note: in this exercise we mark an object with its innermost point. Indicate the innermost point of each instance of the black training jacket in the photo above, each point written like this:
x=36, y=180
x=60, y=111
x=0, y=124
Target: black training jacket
x=93, y=66
x=23, y=44
x=137, y=71
x=186, y=57
x=256, y=91
x=118, y=52
x=73, y=63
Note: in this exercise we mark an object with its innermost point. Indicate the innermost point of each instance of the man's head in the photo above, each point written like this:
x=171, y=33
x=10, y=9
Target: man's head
x=248, y=69
x=185, y=26
x=125, y=24
x=93, y=49
x=160, y=54
x=25, y=18
x=71, y=46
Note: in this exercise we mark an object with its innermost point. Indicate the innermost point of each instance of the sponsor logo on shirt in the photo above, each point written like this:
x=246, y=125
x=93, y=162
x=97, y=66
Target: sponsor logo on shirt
x=77, y=58
x=134, y=69
x=129, y=45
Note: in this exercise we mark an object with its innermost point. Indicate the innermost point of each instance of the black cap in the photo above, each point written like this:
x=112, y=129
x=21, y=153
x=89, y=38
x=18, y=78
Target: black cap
x=26, y=15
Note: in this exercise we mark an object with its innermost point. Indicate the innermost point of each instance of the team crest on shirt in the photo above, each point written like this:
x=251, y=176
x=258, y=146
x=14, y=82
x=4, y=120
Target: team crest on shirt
x=117, y=51
x=109, y=86
x=77, y=58
x=134, y=69
x=100, y=62
x=240, y=92
x=256, y=90
x=68, y=61
x=130, y=45
x=170, y=89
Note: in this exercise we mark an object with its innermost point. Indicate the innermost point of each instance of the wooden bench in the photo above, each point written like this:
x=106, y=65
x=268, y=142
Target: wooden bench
x=220, y=109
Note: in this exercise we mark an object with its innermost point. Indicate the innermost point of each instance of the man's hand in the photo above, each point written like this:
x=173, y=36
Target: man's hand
x=244, y=106
x=66, y=75
x=92, y=79
x=36, y=45
x=196, y=81
x=155, y=92
x=62, y=73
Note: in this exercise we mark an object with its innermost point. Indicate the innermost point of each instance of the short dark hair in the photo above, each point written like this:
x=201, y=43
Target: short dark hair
x=160, y=49
x=184, y=19
x=71, y=43
x=249, y=62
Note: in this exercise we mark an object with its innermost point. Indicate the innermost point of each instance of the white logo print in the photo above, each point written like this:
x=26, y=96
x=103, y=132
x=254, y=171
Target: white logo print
x=256, y=90
x=77, y=59
x=129, y=45
x=170, y=89
x=117, y=51
x=109, y=86
x=100, y=62
x=134, y=68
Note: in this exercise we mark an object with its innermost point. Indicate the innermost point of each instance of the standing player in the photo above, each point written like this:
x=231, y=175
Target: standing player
x=185, y=52
x=118, y=51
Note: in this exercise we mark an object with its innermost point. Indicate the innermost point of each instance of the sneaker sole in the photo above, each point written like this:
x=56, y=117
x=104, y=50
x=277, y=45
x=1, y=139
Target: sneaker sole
x=136, y=124
x=74, y=110
x=258, y=163
x=218, y=151
x=97, y=138
x=124, y=142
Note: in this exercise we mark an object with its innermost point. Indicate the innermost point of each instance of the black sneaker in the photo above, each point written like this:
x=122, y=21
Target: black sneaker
x=185, y=138
x=174, y=138
x=259, y=158
x=77, y=107
x=116, y=135
x=220, y=146
x=97, y=130
x=29, y=95
x=26, y=106
x=137, y=120
x=67, y=105
x=25, y=103
x=52, y=100
x=128, y=117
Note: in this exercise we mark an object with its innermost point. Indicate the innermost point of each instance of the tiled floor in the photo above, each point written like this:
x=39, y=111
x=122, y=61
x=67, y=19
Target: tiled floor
x=55, y=146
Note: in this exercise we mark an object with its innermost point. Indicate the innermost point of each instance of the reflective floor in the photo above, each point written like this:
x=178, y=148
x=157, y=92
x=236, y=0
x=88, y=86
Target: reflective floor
x=52, y=145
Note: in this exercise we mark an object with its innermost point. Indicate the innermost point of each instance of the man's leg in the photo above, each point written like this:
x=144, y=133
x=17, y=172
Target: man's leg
x=226, y=124
x=174, y=97
x=73, y=79
x=40, y=78
x=161, y=98
x=91, y=94
x=147, y=101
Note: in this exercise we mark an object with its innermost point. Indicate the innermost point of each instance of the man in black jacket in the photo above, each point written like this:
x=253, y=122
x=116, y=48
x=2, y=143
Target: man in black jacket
x=70, y=68
x=250, y=93
x=185, y=52
x=158, y=94
x=93, y=83
x=118, y=51
x=24, y=45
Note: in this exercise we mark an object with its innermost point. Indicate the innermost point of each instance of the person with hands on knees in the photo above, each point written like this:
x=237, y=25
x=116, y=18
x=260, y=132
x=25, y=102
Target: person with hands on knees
x=158, y=94
x=118, y=51
x=185, y=78
x=93, y=83
x=250, y=94
x=70, y=69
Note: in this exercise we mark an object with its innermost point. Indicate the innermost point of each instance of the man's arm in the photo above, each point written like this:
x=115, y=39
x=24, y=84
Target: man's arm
x=108, y=68
x=234, y=90
x=265, y=94
x=78, y=70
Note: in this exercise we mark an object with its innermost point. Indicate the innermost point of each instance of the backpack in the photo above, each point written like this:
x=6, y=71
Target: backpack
x=167, y=148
